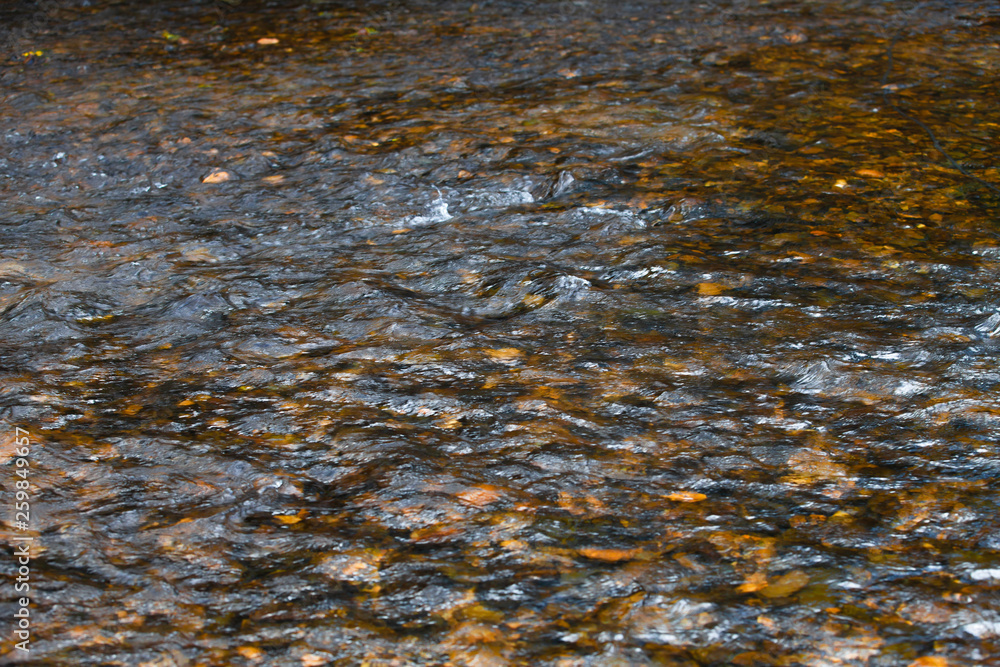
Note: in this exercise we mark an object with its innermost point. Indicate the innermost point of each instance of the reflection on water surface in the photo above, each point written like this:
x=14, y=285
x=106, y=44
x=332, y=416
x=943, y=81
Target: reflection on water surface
x=561, y=333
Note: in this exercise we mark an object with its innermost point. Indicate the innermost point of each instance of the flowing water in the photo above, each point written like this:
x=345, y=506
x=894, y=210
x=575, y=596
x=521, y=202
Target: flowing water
x=508, y=333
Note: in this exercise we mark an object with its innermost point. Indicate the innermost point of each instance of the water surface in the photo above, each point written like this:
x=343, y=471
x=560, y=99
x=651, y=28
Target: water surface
x=507, y=333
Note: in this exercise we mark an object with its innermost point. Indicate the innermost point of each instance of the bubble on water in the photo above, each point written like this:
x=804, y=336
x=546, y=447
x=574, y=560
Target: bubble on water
x=438, y=213
x=983, y=629
x=564, y=183
x=989, y=327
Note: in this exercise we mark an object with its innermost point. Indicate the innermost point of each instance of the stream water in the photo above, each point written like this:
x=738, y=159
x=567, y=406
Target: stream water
x=509, y=333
